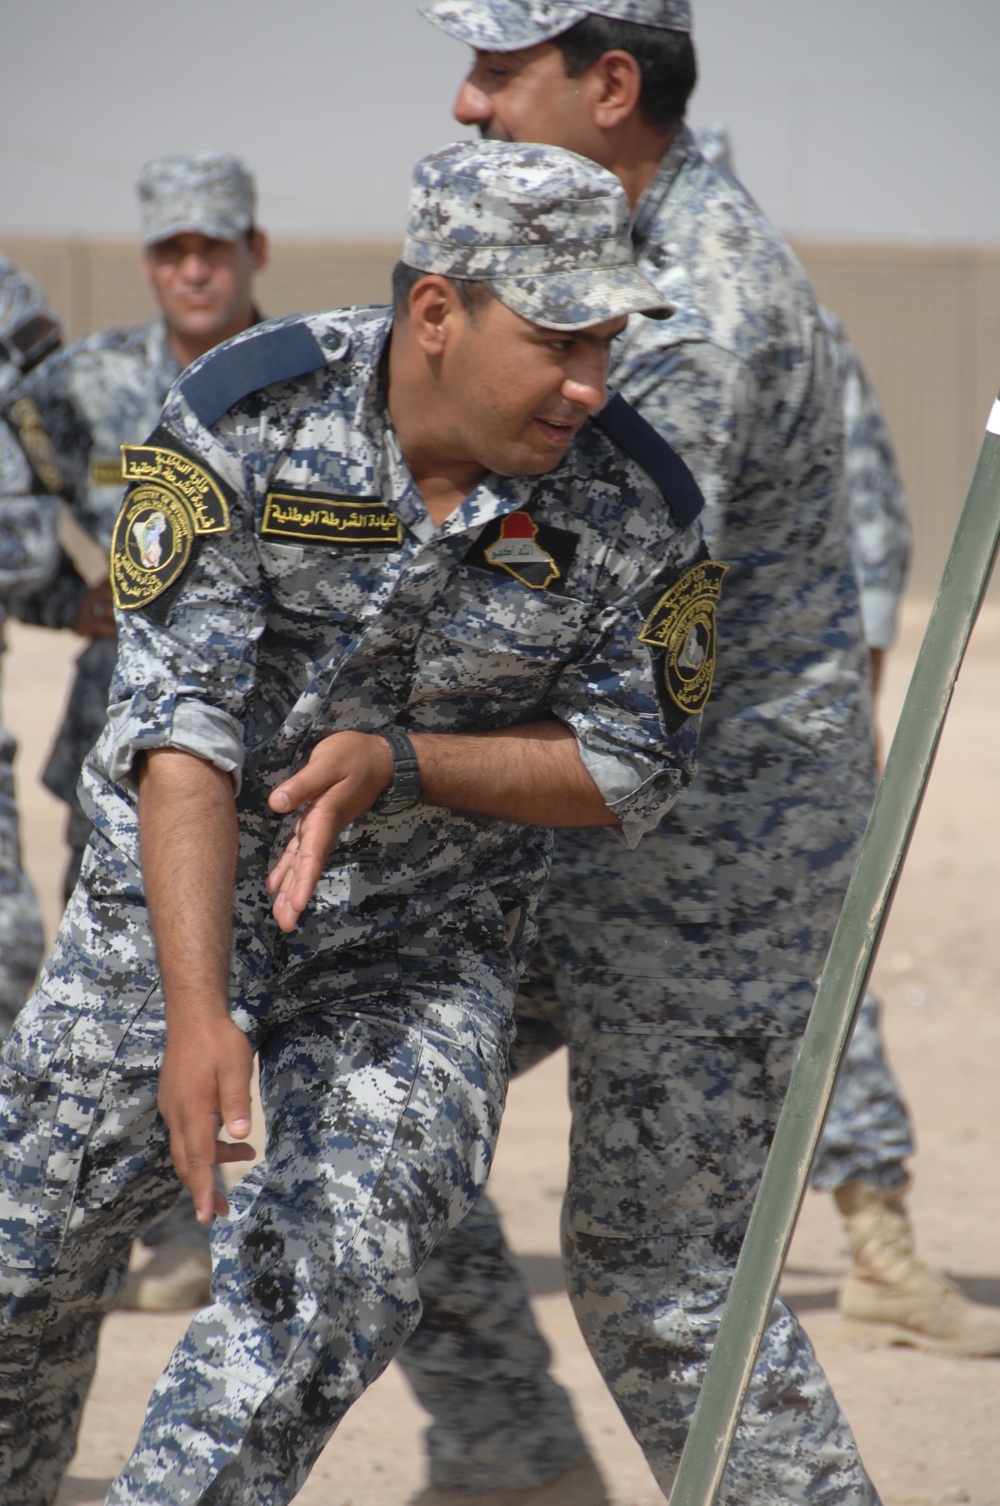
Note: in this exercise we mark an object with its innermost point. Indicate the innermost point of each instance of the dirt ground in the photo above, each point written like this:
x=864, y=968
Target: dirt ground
x=928, y=1426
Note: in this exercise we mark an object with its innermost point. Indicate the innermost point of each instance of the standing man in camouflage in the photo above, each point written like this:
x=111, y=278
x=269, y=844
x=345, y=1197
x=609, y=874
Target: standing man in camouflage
x=684, y=973
x=867, y=1136
x=391, y=554
x=30, y=561
x=201, y=250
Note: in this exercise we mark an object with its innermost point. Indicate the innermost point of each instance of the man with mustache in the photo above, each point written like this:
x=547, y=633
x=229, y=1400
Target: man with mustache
x=330, y=603
x=681, y=976
x=201, y=250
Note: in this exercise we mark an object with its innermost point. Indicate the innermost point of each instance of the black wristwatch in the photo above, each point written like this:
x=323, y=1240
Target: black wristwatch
x=404, y=790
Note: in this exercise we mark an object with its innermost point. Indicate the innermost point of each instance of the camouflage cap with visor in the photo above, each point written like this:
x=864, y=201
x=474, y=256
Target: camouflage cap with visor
x=204, y=193
x=546, y=231
x=509, y=25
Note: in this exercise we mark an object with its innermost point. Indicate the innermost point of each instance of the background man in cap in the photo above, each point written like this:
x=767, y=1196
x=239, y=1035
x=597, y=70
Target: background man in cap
x=388, y=563
x=202, y=249
x=688, y=968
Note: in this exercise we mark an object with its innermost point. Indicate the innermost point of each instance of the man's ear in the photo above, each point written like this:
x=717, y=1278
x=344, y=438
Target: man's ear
x=147, y=266
x=617, y=86
x=433, y=305
x=260, y=249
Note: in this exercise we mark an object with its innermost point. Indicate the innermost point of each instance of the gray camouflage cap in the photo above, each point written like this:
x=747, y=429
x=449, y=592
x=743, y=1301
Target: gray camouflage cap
x=508, y=25
x=208, y=193
x=545, y=230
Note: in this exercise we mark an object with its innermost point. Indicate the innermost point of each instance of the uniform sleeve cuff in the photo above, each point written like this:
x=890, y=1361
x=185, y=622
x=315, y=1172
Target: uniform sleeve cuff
x=639, y=799
x=141, y=724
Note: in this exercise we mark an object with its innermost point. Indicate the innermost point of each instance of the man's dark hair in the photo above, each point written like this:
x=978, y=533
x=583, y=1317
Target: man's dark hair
x=404, y=278
x=665, y=58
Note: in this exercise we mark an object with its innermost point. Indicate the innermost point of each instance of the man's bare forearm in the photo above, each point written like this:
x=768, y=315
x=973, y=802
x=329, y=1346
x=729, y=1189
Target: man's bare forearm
x=187, y=822
x=532, y=774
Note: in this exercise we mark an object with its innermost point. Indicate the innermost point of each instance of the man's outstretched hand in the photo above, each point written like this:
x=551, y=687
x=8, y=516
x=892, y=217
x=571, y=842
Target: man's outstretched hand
x=344, y=777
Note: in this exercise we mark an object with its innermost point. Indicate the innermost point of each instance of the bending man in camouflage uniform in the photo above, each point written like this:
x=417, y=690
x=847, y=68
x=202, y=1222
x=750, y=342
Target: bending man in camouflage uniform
x=202, y=248
x=686, y=970
x=30, y=560
x=396, y=552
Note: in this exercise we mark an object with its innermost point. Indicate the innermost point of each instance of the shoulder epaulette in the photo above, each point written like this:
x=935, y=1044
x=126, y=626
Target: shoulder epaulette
x=273, y=355
x=650, y=450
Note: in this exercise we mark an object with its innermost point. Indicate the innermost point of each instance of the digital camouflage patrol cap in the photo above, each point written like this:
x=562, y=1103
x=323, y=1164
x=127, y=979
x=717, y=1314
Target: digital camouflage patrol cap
x=545, y=230
x=205, y=193
x=508, y=25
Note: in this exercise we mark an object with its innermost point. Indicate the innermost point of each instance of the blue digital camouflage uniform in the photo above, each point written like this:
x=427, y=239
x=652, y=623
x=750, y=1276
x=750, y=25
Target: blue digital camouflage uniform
x=301, y=588
x=689, y=967
x=98, y=394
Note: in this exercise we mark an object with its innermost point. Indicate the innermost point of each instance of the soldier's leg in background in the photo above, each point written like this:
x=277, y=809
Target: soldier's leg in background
x=382, y=1082
x=681, y=1044
x=477, y=1361
x=860, y=1160
x=83, y=1164
x=22, y=939
x=867, y=1133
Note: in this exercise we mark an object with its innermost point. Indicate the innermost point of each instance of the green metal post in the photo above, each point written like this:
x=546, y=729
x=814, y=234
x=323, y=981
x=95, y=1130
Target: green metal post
x=850, y=961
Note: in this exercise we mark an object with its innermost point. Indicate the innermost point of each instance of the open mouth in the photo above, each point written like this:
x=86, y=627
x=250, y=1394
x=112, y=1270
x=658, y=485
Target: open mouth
x=558, y=431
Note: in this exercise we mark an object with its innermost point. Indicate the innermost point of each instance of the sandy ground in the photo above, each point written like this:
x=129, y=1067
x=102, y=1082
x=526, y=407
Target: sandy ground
x=928, y=1426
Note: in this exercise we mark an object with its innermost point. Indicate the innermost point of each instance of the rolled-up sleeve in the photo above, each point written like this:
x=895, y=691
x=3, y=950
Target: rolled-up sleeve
x=186, y=668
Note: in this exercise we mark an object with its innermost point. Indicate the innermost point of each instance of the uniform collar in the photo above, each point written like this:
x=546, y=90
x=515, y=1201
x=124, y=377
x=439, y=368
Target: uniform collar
x=650, y=206
x=493, y=497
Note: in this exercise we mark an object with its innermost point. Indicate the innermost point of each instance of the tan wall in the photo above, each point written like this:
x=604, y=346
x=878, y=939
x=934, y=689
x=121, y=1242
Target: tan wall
x=926, y=321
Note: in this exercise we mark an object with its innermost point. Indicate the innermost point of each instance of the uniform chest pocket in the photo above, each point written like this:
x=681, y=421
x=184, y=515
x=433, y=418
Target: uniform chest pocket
x=330, y=581
x=497, y=641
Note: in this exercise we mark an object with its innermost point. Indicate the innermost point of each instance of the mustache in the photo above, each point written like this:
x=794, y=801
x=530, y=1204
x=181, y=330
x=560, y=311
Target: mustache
x=571, y=414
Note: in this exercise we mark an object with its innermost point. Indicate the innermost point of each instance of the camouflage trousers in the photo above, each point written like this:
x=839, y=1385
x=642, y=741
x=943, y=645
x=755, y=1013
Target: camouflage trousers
x=867, y=1135
x=21, y=937
x=382, y=1080
x=672, y=1119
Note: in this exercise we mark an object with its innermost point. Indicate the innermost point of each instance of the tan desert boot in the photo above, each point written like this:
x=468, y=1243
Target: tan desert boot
x=889, y=1286
x=176, y=1275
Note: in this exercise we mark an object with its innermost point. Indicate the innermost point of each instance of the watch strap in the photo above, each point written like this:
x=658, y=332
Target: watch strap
x=405, y=789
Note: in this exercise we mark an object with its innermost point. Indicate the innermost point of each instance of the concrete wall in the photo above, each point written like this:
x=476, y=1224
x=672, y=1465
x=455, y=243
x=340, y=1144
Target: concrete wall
x=925, y=319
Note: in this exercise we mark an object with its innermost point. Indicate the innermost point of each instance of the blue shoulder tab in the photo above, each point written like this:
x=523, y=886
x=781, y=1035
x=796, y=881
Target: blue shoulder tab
x=274, y=355
x=650, y=450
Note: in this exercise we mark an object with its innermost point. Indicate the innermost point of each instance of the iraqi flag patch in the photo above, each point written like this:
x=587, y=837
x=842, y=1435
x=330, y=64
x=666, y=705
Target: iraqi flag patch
x=533, y=553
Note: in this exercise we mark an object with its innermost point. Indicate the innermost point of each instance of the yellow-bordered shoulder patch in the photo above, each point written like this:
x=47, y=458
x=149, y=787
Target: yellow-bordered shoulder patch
x=682, y=626
x=151, y=545
x=182, y=474
x=171, y=499
x=315, y=518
